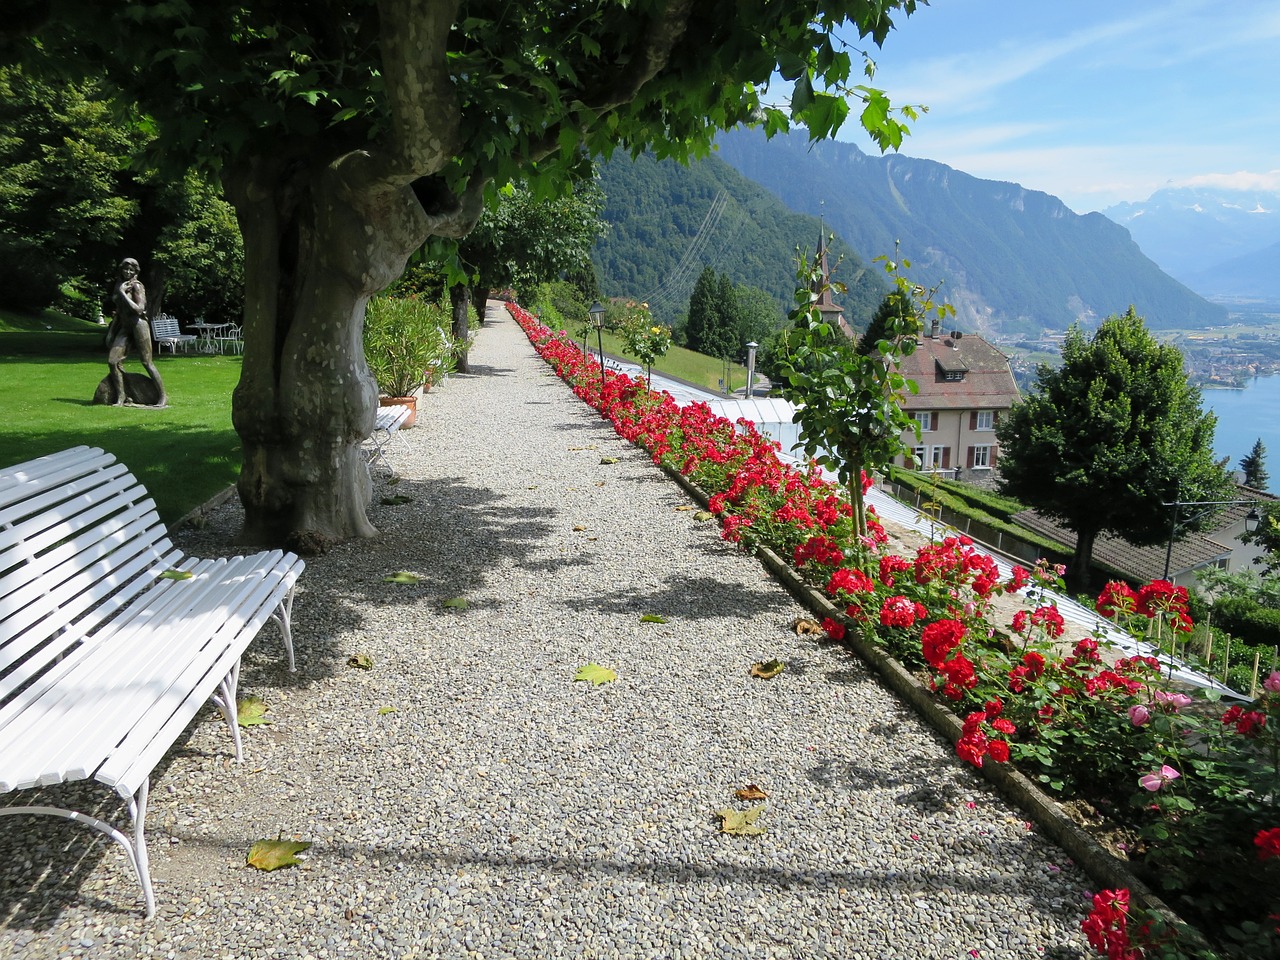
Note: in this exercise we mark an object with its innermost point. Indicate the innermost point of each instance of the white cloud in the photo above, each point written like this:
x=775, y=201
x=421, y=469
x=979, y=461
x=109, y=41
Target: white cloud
x=1240, y=180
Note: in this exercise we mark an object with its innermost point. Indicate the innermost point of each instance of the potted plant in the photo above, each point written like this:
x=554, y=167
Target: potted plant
x=403, y=338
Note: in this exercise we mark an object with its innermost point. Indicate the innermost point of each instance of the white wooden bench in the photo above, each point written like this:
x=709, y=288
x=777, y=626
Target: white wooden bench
x=168, y=333
x=390, y=419
x=105, y=660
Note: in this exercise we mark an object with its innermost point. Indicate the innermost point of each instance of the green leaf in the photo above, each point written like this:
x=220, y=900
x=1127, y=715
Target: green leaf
x=767, y=669
x=361, y=661
x=396, y=500
x=251, y=712
x=703, y=515
x=273, y=854
x=383, y=711
x=595, y=674
x=402, y=576
x=741, y=823
x=605, y=460
x=653, y=618
x=177, y=575
x=455, y=603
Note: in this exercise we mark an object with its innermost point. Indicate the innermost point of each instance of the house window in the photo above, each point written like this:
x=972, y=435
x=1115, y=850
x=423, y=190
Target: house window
x=953, y=376
x=928, y=421
x=986, y=420
x=982, y=457
x=921, y=455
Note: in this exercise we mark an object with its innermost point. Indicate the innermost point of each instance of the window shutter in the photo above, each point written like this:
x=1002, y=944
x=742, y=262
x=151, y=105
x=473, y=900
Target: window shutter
x=973, y=420
x=969, y=458
x=991, y=458
x=946, y=458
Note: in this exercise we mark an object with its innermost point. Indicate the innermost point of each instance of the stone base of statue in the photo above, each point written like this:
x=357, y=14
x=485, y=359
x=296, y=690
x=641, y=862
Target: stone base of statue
x=139, y=391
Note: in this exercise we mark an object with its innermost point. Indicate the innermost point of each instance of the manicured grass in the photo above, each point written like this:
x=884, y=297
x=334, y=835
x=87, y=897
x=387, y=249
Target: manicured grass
x=682, y=364
x=50, y=366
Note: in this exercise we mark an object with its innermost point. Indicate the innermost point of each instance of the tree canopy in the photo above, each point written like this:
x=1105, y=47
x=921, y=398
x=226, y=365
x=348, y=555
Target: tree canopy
x=1254, y=466
x=1108, y=438
x=349, y=133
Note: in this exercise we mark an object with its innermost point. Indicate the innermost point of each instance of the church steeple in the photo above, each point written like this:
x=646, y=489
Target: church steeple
x=831, y=312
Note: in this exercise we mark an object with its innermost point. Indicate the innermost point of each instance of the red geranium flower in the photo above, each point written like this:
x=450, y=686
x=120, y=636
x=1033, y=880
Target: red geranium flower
x=1268, y=843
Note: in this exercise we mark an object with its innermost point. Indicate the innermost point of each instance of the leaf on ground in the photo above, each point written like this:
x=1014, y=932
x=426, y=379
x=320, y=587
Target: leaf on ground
x=578, y=528
x=392, y=481
x=274, y=854
x=768, y=669
x=251, y=712
x=592, y=447
x=702, y=516
x=685, y=508
x=383, y=711
x=402, y=576
x=750, y=792
x=653, y=618
x=741, y=823
x=455, y=603
x=595, y=673
x=396, y=500
x=361, y=660
x=608, y=460
x=804, y=627
x=177, y=575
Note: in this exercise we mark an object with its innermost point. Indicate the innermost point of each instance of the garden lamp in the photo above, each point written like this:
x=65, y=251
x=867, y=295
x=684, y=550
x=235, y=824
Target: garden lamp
x=597, y=317
x=751, y=368
x=1252, y=519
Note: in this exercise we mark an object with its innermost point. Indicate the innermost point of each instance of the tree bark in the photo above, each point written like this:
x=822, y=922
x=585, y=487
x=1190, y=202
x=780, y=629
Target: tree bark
x=318, y=243
x=460, y=299
x=1079, y=573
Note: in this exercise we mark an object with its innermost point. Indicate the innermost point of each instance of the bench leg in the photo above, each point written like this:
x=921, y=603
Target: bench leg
x=135, y=847
x=225, y=700
x=283, y=615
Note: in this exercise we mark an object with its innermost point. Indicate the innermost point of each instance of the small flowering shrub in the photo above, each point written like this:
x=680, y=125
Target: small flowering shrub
x=1197, y=781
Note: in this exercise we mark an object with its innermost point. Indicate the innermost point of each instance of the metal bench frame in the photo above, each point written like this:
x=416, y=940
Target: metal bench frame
x=105, y=657
x=390, y=419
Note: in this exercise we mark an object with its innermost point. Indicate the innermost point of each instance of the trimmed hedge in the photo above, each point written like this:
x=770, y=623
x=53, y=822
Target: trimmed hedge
x=1248, y=621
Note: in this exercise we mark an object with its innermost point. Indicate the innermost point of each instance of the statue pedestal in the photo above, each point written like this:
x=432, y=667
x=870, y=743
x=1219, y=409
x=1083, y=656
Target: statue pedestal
x=139, y=390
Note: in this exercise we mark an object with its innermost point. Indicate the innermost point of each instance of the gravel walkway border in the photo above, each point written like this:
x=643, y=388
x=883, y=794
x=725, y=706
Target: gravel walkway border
x=467, y=798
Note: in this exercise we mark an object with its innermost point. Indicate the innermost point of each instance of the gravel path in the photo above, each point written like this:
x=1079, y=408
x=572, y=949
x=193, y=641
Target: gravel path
x=505, y=810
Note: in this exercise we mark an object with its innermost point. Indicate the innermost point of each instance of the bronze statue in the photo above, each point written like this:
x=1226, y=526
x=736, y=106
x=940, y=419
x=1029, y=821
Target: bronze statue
x=129, y=305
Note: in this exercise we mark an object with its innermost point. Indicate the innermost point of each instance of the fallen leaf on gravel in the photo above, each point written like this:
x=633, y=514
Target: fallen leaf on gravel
x=361, y=660
x=592, y=447
x=685, y=507
x=595, y=673
x=768, y=669
x=703, y=516
x=804, y=627
x=750, y=792
x=396, y=500
x=383, y=711
x=741, y=823
x=608, y=460
x=455, y=603
x=402, y=576
x=274, y=854
x=578, y=528
x=251, y=712
x=653, y=618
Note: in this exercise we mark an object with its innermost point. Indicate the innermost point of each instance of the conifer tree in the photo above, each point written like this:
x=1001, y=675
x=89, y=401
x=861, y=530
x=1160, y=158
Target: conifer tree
x=1254, y=467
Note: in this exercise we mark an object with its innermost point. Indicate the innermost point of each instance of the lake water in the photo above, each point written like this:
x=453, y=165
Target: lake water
x=1244, y=416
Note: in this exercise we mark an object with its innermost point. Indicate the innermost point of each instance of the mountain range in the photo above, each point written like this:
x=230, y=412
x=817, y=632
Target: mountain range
x=1222, y=243
x=1010, y=260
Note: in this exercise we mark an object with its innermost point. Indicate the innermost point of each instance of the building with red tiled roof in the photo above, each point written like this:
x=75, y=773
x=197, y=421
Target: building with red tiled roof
x=965, y=387
x=831, y=312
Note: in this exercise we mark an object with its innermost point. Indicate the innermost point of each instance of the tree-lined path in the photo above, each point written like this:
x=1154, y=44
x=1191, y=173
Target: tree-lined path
x=467, y=798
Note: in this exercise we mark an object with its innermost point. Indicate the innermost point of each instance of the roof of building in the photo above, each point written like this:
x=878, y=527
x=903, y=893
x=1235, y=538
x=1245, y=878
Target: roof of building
x=959, y=372
x=1191, y=550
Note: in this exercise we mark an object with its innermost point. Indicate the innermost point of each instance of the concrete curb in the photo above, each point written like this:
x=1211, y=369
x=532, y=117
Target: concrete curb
x=1103, y=867
x=194, y=517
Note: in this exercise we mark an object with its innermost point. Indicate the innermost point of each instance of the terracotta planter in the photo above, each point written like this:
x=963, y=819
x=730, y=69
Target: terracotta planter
x=410, y=402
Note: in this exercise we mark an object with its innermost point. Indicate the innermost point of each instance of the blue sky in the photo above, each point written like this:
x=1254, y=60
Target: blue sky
x=1094, y=102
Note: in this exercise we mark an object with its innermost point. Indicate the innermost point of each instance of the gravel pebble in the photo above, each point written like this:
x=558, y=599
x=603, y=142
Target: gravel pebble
x=466, y=797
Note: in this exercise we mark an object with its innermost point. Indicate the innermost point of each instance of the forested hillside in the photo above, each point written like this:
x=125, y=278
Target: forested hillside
x=653, y=250
x=1009, y=259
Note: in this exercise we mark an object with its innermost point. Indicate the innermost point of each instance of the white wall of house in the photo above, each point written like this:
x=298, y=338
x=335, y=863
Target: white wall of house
x=951, y=439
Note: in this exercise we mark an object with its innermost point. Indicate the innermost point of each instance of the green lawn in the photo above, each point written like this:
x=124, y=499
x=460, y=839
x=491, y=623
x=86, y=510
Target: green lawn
x=682, y=364
x=50, y=366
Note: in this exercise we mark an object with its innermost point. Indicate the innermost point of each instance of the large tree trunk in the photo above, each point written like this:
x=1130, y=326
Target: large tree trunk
x=318, y=243
x=1079, y=573
x=460, y=299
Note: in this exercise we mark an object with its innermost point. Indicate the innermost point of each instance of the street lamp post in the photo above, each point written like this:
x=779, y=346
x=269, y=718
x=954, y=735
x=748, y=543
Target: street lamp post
x=1251, y=520
x=597, y=317
x=751, y=368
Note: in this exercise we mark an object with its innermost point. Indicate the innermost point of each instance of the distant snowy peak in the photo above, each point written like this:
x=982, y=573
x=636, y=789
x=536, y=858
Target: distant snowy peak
x=1190, y=230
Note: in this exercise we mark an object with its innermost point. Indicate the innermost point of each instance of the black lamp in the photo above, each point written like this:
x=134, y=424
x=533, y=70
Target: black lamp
x=597, y=317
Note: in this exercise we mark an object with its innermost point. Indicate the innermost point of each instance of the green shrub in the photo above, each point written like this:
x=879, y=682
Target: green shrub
x=1248, y=621
x=404, y=337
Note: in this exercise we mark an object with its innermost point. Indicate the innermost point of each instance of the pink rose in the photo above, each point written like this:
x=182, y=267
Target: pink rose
x=1272, y=682
x=1156, y=779
x=1139, y=715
